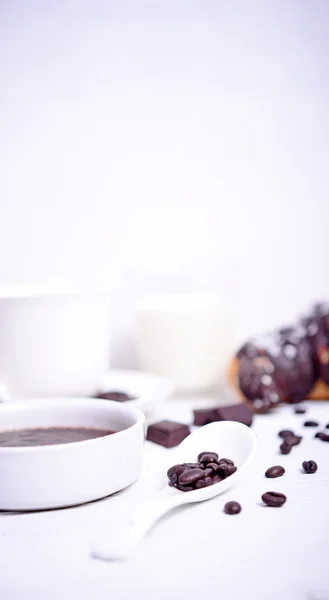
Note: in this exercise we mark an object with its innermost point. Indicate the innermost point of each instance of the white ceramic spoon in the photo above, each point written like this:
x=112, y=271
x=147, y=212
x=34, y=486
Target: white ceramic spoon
x=228, y=438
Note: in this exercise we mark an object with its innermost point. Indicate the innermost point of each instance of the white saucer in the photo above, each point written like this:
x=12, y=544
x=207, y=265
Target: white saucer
x=146, y=388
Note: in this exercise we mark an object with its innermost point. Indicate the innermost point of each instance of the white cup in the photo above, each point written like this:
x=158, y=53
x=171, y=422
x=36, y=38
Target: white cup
x=188, y=338
x=53, y=341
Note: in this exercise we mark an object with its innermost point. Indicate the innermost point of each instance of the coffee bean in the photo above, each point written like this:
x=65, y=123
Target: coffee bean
x=173, y=479
x=217, y=478
x=208, y=481
x=201, y=483
x=324, y=437
x=309, y=466
x=311, y=424
x=177, y=469
x=213, y=466
x=227, y=460
x=274, y=499
x=293, y=440
x=205, y=457
x=208, y=472
x=190, y=476
x=226, y=469
x=299, y=410
x=274, y=472
x=285, y=448
x=232, y=508
x=285, y=433
x=327, y=426
x=184, y=488
x=191, y=465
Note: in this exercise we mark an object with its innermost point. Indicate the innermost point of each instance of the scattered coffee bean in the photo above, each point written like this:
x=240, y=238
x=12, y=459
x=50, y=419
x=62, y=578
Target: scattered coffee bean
x=299, y=410
x=293, y=440
x=274, y=499
x=285, y=433
x=273, y=472
x=207, y=471
x=232, y=508
x=324, y=437
x=327, y=426
x=309, y=466
x=311, y=424
x=207, y=457
x=285, y=448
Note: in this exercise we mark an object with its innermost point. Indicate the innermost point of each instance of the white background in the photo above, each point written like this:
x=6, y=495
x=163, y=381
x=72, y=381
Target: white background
x=141, y=135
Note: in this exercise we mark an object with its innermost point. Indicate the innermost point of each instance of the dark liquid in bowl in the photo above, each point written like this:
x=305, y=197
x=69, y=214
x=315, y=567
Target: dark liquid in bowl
x=49, y=436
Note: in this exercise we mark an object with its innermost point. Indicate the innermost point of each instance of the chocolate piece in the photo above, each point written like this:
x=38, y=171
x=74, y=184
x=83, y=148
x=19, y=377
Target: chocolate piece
x=204, y=416
x=311, y=424
x=299, y=410
x=274, y=499
x=241, y=413
x=167, y=433
x=285, y=433
x=232, y=508
x=309, y=466
x=274, y=472
x=115, y=395
x=285, y=448
x=318, y=333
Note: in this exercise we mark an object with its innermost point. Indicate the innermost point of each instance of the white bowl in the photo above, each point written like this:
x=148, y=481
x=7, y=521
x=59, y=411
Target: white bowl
x=41, y=477
x=147, y=389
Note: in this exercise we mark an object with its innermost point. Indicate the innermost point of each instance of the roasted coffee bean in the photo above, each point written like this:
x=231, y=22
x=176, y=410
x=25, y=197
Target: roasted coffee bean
x=285, y=448
x=299, y=410
x=217, y=478
x=227, y=460
x=285, y=433
x=273, y=472
x=293, y=440
x=309, y=466
x=191, y=465
x=226, y=469
x=184, y=488
x=232, y=508
x=208, y=472
x=274, y=499
x=205, y=457
x=208, y=481
x=200, y=484
x=177, y=469
x=213, y=466
x=311, y=424
x=173, y=479
x=320, y=435
x=190, y=476
x=327, y=426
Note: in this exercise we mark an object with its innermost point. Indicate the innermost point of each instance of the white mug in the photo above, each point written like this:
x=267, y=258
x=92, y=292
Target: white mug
x=53, y=342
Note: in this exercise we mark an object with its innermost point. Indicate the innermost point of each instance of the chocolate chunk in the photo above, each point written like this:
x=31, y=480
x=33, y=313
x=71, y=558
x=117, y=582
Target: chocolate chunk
x=204, y=416
x=311, y=424
x=299, y=410
x=285, y=433
x=273, y=472
x=115, y=395
x=232, y=508
x=235, y=412
x=167, y=433
x=309, y=466
x=274, y=499
x=285, y=448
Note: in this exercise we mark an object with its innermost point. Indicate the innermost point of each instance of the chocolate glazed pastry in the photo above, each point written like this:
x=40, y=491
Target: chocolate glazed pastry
x=287, y=365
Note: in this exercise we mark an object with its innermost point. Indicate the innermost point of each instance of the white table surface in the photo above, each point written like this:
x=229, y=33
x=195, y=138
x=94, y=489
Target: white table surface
x=195, y=552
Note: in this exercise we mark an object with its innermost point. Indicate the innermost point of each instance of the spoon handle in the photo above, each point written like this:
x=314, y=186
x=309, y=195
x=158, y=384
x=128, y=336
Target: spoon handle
x=125, y=537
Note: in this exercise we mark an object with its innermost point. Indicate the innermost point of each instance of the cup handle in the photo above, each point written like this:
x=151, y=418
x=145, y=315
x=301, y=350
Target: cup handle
x=4, y=393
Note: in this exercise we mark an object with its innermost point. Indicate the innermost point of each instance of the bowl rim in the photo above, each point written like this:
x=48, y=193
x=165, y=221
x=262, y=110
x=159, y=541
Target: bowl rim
x=47, y=403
